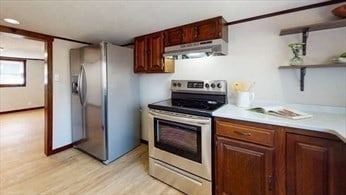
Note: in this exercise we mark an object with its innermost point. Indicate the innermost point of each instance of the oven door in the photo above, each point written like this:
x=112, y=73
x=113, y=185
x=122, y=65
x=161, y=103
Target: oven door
x=181, y=140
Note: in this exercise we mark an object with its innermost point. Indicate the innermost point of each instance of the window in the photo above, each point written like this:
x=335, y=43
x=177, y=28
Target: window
x=12, y=72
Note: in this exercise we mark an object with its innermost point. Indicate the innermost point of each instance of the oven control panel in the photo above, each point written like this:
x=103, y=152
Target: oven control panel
x=196, y=86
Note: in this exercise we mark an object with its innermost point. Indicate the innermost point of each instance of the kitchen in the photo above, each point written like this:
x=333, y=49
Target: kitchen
x=255, y=52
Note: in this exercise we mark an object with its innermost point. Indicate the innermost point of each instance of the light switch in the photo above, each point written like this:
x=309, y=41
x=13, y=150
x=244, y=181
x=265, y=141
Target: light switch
x=57, y=77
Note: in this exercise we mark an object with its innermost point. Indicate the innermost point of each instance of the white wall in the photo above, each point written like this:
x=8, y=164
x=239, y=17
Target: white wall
x=255, y=52
x=32, y=95
x=62, y=92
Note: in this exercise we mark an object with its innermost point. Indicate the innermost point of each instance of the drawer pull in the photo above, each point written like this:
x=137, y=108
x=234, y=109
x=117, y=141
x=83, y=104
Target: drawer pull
x=242, y=133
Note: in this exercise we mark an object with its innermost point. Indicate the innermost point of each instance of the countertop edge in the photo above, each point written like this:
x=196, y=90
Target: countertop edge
x=267, y=119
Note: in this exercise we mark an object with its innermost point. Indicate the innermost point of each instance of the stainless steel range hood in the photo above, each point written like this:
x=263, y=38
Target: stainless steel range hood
x=214, y=47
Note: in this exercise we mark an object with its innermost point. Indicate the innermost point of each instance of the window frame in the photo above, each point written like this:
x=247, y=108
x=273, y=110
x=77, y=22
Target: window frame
x=23, y=60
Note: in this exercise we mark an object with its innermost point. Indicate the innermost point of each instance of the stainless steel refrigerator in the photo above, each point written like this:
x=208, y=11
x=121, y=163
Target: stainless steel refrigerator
x=105, y=105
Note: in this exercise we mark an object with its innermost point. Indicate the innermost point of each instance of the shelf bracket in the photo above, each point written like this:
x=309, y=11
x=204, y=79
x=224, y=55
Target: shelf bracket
x=302, y=77
x=305, y=35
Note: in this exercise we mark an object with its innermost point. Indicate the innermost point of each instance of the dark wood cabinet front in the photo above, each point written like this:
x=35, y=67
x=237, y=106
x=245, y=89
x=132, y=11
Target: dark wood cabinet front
x=254, y=158
x=189, y=33
x=213, y=28
x=174, y=36
x=243, y=168
x=209, y=29
x=148, y=55
x=315, y=166
x=204, y=30
x=140, y=54
x=155, y=51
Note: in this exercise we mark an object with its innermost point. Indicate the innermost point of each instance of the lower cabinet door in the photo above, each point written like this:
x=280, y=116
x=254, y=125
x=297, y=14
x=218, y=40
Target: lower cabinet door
x=243, y=168
x=315, y=166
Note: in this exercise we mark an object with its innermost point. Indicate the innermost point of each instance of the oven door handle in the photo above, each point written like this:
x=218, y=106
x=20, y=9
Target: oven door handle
x=180, y=118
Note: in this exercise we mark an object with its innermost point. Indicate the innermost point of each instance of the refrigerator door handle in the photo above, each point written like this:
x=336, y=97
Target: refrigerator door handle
x=84, y=85
x=79, y=85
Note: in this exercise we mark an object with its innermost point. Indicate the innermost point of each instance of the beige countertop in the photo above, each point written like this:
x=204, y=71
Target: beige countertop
x=324, y=118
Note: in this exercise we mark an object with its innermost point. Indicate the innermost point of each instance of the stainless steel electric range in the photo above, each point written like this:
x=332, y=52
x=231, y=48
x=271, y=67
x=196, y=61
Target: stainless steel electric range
x=180, y=134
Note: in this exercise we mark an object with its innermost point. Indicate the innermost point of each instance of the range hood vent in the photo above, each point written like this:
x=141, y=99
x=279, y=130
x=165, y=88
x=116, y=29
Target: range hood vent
x=216, y=47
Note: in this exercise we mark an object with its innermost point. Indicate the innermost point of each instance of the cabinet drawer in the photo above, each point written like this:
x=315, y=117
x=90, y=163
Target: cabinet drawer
x=246, y=133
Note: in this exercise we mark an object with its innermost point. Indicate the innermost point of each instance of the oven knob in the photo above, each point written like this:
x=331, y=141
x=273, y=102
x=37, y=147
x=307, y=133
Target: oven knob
x=207, y=85
x=179, y=84
x=174, y=84
x=212, y=85
x=219, y=85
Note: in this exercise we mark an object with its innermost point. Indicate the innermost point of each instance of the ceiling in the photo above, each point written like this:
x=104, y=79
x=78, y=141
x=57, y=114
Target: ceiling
x=17, y=46
x=120, y=21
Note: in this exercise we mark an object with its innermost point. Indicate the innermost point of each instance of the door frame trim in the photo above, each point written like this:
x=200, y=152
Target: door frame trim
x=48, y=85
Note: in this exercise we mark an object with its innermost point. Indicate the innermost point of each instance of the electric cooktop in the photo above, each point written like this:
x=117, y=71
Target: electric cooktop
x=194, y=97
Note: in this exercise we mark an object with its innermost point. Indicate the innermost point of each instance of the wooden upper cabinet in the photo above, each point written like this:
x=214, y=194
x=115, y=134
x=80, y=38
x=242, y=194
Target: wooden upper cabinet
x=149, y=49
x=148, y=55
x=189, y=33
x=315, y=166
x=155, y=51
x=174, y=36
x=214, y=28
x=208, y=29
x=140, y=54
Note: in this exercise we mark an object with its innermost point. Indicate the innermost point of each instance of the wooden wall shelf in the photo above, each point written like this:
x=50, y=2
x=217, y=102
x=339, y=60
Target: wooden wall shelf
x=305, y=33
x=304, y=67
x=340, y=65
x=314, y=27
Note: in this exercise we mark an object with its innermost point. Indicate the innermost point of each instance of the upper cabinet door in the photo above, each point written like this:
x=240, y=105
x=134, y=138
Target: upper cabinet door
x=141, y=55
x=205, y=30
x=189, y=33
x=155, y=50
x=174, y=36
x=208, y=29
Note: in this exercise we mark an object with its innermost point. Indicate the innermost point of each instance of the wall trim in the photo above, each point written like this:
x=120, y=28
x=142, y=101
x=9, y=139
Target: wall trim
x=287, y=11
x=72, y=40
x=60, y=149
x=144, y=141
x=22, y=110
x=9, y=29
x=20, y=58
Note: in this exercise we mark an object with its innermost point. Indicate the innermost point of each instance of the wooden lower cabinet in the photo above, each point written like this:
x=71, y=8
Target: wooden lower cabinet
x=243, y=168
x=315, y=166
x=253, y=158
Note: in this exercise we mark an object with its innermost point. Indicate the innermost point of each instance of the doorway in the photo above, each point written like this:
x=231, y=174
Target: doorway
x=48, y=84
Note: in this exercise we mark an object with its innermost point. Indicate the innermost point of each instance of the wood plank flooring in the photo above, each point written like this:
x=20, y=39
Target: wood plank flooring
x=24, y=169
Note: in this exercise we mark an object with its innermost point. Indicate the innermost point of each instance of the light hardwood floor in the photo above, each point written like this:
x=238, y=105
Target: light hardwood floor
x=24, y=169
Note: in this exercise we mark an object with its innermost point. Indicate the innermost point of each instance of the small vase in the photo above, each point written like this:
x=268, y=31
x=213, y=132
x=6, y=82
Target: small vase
x=296, y=50
x=296, y=60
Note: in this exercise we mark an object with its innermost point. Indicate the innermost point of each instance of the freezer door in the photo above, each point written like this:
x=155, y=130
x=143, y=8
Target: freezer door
x=91, y=97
